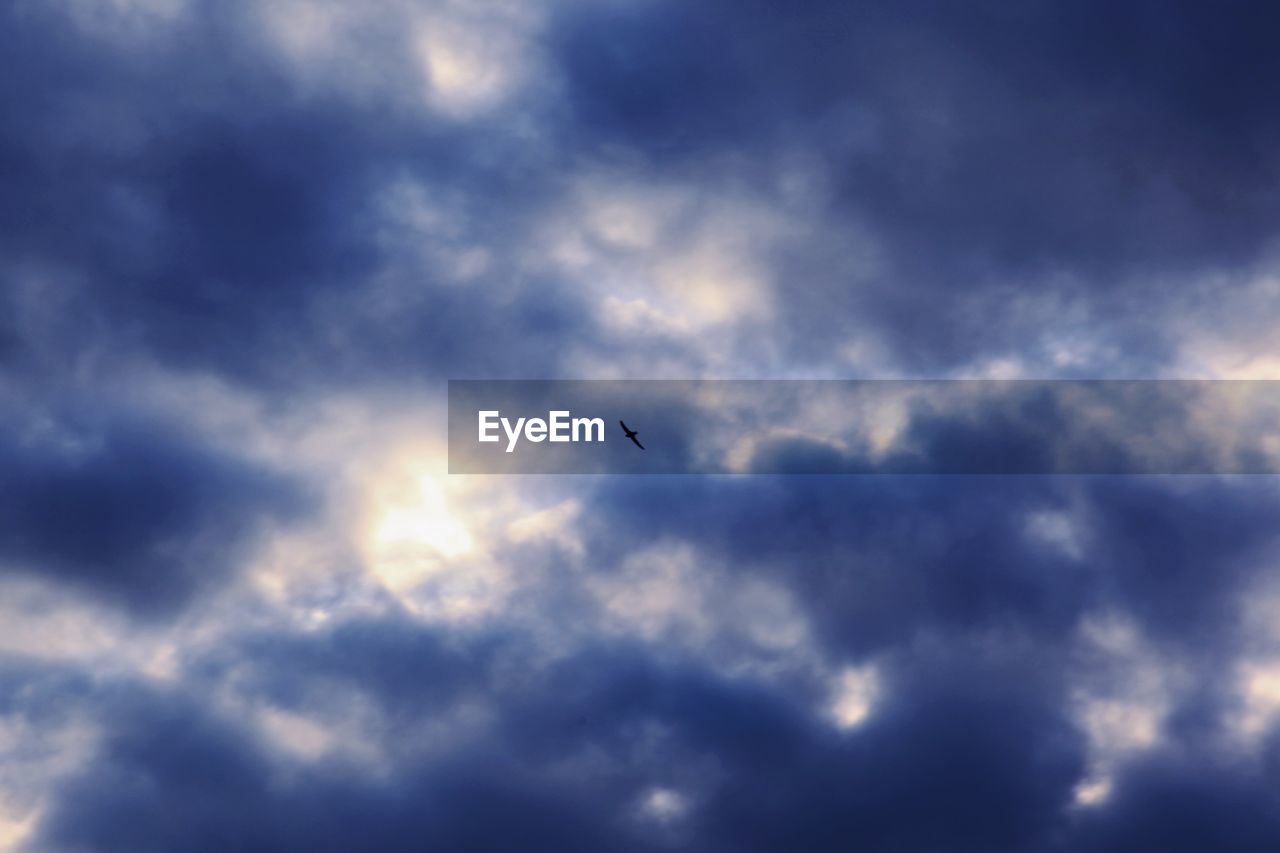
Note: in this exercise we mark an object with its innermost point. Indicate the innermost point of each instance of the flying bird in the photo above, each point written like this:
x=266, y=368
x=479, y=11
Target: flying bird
x=631, y=434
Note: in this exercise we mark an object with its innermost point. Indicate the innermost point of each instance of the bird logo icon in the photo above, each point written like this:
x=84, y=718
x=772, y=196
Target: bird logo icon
x=631, y=434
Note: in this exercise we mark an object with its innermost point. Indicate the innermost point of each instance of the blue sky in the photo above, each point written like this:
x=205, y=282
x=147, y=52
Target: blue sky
x=243, y=245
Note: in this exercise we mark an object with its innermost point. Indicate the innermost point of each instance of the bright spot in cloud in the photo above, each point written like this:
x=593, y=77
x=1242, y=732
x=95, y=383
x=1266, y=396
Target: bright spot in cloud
x=36, y=755
x=1118, y=725
x=1260, y=691
x=295, y=734
x=474, y=60
x=854, y=694
x=15, y=831
x=1127, y=714
x=1058, y=530
x=461, y=79
x=1123, y=713
x=555, y=524
x=664, y=805
x=655, y=593
x=1093, y=791
x=424, y=522
x=414, y=533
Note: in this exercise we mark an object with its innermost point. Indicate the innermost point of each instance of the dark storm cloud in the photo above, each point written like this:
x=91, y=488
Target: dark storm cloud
x=131, y=511
x=1086, y=152
x=874, y=559
x=972, y=745
x=877, y=559
x=409, y=669
x=1056, y=427
x=978, y=744
x=188, y=202
x=172, y=776
x=880, y=562
x=1183, y=803
x=220, y=219
x=194, y=232
x=994, y=762
x=211, y=791
x=971, y=752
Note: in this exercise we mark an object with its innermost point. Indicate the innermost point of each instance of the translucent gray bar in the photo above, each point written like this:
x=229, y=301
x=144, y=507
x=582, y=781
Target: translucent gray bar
x=865, y=426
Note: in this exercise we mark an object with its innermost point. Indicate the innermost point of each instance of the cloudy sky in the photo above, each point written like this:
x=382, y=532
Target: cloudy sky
x=243, y=245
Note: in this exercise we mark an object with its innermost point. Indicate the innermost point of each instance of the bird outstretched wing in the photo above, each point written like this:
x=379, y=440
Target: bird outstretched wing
x=631, y=434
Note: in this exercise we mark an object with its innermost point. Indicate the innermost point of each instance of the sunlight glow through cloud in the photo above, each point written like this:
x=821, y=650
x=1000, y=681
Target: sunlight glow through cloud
x=854, y=695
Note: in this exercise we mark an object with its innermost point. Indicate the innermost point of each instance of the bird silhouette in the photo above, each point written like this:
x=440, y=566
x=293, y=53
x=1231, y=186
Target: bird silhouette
x=631, y=434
